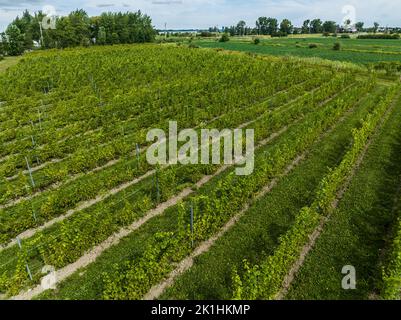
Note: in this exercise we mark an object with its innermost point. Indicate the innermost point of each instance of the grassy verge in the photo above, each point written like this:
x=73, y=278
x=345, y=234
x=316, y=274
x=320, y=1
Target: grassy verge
x=357, y=231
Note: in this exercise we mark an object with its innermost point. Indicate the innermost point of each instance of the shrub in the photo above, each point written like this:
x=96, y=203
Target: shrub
x=391, y=68
x=379, y=36
x=313, y=45
x=279, y=34
x=326, y=34
x=337, y=46
x=345, y=36
x=224, y=38
x=256, y=41
x=206, y=34
x=334, y=35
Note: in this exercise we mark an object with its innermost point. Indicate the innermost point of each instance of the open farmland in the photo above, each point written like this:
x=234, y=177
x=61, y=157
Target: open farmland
x=358, y=51
x=78, y=194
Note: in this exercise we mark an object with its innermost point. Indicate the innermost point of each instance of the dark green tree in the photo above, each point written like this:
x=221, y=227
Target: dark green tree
x=376, y=27
x=306, y=27
x=286, y=27
x=15, y=41
x=359, y=26
x=262, y=25
x=3, y=45
x=101, y=36
x=316, y=26
x=329, y=26
x=240, y=29
x=272, y=26
x=78, y=29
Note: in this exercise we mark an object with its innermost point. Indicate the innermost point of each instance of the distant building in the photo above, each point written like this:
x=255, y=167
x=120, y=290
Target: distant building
x=350, y=29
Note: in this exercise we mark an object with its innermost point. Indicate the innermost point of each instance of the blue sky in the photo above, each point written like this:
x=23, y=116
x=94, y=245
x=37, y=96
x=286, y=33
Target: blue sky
x=205, y=13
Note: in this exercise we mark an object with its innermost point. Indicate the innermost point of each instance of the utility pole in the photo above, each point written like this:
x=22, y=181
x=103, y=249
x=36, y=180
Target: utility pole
x=165, y=30
x=30, y=172
x=41, y=34
x=192, y=224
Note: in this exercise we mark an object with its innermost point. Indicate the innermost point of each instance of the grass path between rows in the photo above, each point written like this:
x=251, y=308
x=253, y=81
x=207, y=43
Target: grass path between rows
x=256, y=233
x=157, y=290
x=319, y=229
x=357, y=232
x=93, y=254
x=144, y=232
x=263, y=142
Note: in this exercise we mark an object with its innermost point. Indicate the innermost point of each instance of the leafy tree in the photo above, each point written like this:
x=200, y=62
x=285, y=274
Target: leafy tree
x=316, y=26
x=24, y=25
x=114, y=38
x=286, y=26
x=3, y=45
x=102, y=36
x=272, y=26
x=230, y=30
x=240, y=29
x=376, y=27
x=79, y=22
x=131, y=27
x=306, y=27
x=329, y=26
x=78, y=29
x=262, y=25
x=15, y=41
x=359, y=26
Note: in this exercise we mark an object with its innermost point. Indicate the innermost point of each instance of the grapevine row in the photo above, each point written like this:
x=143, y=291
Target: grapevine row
x=22, y=216
x=264, y=281
x=65, y=250
x=213, y=206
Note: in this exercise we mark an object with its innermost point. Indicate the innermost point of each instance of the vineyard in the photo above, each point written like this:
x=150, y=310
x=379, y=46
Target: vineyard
x=80, y=202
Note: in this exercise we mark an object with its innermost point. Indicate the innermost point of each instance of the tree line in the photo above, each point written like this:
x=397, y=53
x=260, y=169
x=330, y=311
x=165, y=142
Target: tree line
x=76, y=29
x=272, y=26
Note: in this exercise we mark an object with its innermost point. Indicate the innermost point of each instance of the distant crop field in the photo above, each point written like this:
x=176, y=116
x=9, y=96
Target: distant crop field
x=352, y=50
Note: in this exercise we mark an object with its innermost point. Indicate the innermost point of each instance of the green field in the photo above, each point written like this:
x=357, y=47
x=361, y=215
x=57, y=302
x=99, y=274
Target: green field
x=78, y=194
x=352, y=50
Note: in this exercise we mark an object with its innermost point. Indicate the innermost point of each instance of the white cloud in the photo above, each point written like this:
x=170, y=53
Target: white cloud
x=205, y=13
